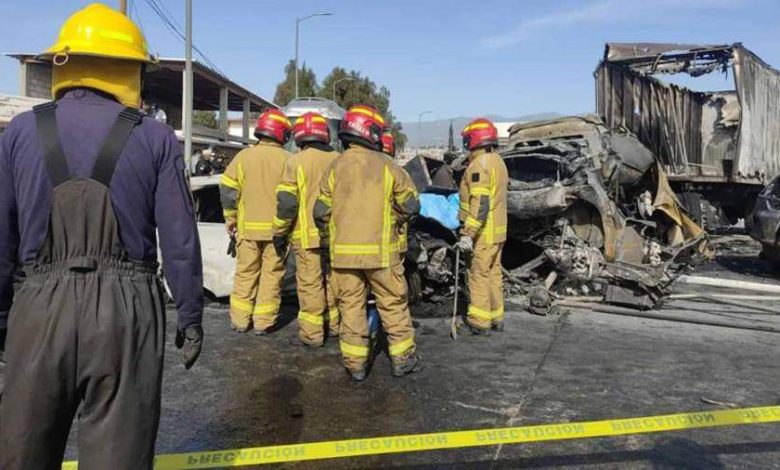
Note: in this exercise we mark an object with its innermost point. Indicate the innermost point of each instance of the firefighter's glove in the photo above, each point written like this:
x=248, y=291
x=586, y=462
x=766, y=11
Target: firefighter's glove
x=231, y=251
x=280, y=246
x=189, y=341
x=465, y=244
x=3, y=333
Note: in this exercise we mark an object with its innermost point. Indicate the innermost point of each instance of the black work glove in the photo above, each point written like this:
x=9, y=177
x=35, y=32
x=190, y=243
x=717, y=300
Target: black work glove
x=280, y=245
x=3, y=333
x=189, y=342
x=231, y=251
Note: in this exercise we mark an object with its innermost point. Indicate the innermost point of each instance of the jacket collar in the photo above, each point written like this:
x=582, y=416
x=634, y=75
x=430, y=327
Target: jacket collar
x=87, y=94
x=474, y=154
x=269, y=143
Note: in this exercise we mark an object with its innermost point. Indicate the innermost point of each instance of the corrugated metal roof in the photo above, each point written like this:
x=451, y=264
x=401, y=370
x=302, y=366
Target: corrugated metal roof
x=166, y=83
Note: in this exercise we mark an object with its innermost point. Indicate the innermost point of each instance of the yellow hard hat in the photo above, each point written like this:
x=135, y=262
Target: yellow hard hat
x=100, y=31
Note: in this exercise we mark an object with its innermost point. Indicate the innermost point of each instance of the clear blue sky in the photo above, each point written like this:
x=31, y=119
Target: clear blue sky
x=456, y=58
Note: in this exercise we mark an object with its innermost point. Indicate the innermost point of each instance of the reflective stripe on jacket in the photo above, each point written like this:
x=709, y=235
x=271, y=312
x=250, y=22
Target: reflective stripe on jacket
x=299, y=189
x=362, y=203
x=483, y=198
x=403, y=229
x=248, y=188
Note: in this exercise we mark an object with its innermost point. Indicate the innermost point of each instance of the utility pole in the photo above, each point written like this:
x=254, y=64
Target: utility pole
x=451, y=142
x=123, y=7
x=298, y=22
x=419, y=127
x=188, y=83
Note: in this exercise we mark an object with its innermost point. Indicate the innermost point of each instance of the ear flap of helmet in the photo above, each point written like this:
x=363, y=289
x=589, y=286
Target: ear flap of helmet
x=376, y=134
x=467, y=142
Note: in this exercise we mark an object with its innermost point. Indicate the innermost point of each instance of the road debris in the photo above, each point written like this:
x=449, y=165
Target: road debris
x=730, y=283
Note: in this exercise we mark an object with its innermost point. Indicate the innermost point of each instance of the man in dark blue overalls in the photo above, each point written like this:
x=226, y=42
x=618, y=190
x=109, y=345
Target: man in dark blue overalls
x=85, y=183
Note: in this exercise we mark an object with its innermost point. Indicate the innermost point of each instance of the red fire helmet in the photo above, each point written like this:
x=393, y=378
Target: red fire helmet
x=274, y=125
x=388, y=143
x=311, y=127
x=363, y=125
x=479, y=133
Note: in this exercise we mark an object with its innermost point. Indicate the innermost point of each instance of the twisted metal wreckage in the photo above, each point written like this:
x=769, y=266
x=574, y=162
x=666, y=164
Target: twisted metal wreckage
x=590, y=211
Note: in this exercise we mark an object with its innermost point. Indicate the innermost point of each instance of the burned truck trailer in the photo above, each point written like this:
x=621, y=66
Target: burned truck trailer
x=718, y=148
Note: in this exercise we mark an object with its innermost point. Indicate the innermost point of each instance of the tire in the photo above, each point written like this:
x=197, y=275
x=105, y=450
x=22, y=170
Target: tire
x=691, y=202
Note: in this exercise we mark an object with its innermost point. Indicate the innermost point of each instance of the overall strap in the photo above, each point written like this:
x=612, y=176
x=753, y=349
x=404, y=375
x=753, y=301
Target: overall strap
x=114, y=145
x=49, y=136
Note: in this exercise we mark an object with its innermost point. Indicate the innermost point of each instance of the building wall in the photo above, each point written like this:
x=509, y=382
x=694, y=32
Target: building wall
x=36, y=81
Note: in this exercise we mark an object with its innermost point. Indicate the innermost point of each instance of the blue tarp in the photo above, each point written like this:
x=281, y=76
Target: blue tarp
x=443, y=209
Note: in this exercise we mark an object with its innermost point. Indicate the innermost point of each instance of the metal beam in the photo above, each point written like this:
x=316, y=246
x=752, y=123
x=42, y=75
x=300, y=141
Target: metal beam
x=223, y=109
x=245, y=118
x=202, y=131
x=219, y=80
x=188, y=84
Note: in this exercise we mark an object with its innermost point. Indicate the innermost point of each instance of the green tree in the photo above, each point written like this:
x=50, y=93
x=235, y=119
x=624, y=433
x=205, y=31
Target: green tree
x=205, y=119
x=307, y=84
x=353, y=88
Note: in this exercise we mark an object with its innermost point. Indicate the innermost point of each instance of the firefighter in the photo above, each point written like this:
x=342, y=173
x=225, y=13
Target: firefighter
x=247, y=189
x=295, y=198
x=388, y=148
x=355, y=215
x=86, y=183
x=484, y=219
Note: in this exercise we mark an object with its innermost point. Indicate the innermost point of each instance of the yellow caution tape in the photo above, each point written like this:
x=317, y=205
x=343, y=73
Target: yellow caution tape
x=459, y=439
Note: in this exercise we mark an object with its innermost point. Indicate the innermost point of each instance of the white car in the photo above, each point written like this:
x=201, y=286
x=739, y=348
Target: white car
x=218, y=267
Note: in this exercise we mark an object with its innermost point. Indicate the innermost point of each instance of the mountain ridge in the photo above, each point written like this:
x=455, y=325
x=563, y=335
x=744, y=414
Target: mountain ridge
x=435, y=132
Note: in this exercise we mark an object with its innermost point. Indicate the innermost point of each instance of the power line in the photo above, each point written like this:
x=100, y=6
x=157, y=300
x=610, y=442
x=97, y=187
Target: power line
x=168, y=13
x=137, y=15
x=169, y=22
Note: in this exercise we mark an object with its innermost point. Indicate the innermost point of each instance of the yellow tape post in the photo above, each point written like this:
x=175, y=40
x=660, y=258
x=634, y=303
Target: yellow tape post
x=461, y=439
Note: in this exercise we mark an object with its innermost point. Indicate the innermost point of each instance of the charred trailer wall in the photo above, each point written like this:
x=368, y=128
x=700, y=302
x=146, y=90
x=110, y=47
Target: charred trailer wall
x=758, y=87
x=666, y=118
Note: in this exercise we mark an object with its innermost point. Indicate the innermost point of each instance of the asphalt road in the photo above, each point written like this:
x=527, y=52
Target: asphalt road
x=576, y=366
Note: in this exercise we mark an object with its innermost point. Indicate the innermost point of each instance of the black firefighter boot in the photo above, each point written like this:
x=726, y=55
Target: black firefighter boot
x=357, y=375
x=476, y=331
x=411, y=364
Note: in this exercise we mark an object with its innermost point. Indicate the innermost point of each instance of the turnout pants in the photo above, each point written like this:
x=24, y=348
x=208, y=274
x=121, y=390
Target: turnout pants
x=486, y=306
x=389, y=288
x=95, y=338
x=256, y=296
x=315, y=297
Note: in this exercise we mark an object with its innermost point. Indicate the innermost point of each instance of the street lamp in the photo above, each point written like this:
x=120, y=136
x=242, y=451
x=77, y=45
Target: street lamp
x=343, y=79
x=297, y=28
x=419, y=127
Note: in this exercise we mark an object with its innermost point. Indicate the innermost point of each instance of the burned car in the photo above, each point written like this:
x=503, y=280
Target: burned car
x=765, y=221
x=591, y=210
x=430, y=260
